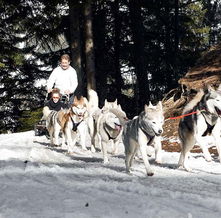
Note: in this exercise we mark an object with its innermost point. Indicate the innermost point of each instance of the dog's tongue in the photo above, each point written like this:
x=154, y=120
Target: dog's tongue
x=117, y=127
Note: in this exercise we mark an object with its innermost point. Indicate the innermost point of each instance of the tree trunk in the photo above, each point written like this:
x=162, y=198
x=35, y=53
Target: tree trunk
x=74, y=7
x=176, y=26
x=169, y=56
x=89, y=47
x=100, y=52
x=138, y=39
x=117, y=28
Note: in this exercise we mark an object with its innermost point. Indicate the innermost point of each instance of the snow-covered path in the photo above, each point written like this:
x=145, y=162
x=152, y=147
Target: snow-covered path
x=37, y=180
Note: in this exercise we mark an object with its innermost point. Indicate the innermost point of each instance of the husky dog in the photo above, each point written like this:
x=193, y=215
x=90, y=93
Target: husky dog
x=206, y=120
x=115, y=108
x=108, y=128
x=108, y=123
x=144, y=130
x=66, y=121
x=93, y=113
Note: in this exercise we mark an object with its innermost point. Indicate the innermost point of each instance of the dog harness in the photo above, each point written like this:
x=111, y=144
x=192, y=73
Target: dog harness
x=210, y=120
x=75, y=125
x=109, y=136
x=150, y=136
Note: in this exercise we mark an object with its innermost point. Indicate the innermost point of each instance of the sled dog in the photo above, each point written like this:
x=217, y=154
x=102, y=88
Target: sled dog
x=93, y=113
x=141, y=131
x=115, y=108
x=206, y=121
x=108, y=126
x=66, y=121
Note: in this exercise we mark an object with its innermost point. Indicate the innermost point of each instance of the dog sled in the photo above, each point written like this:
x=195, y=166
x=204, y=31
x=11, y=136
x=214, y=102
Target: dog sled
x=40, y=127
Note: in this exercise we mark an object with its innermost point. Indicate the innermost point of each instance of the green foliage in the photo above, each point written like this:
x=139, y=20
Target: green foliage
x=196, y=25
x=28, y=119
x=28, y=36
x=18, y=59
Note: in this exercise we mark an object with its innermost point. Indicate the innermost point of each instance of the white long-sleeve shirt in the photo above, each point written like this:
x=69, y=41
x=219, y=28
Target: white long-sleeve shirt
x=63, y=79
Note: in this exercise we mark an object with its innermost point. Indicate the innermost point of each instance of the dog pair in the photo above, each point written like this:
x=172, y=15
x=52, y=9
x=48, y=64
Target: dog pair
x=108, y=124
x=66, y=121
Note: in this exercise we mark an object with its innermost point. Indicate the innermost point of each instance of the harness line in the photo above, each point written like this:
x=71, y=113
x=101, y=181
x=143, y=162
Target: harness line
x=184, y=115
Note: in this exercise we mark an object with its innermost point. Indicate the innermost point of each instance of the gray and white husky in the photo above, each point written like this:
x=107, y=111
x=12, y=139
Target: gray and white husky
x=109, y=127
x=144, y=130
x=206, y=106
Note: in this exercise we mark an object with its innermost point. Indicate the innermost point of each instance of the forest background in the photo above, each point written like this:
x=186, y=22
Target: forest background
x=132, y=50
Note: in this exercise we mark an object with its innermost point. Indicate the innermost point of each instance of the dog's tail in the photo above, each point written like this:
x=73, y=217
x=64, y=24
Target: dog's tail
x=121, y=115
x=93, y=102
x=194, y=101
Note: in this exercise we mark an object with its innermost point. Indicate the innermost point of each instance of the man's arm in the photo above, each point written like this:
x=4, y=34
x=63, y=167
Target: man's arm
x=51, y=81
x=73, y=81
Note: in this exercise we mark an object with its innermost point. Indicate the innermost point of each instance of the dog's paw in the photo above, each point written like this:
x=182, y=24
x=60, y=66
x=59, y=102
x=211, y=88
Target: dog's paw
x=114, y=152
x=70, y=151
x=93, y=150
x=83, y=148
x=208, y=158
x=106, y=161
x=159, y=161
x=64, y=147
x=150, y=173
x=129, y=172
x=187, y=168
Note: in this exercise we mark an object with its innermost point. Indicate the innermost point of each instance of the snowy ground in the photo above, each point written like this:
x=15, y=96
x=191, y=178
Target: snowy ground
x=37, y=180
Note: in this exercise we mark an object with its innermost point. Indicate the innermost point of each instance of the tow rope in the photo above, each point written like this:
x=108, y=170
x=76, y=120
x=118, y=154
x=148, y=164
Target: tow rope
x=184, y=115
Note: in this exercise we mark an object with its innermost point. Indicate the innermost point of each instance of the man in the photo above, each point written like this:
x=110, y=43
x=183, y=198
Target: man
x=63, y=77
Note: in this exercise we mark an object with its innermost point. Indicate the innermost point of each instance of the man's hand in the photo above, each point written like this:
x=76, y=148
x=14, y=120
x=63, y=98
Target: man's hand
x=67, y=92
x=49, y=90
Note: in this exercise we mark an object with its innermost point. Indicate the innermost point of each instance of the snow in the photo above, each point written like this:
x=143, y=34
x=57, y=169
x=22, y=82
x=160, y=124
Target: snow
x=38, y=180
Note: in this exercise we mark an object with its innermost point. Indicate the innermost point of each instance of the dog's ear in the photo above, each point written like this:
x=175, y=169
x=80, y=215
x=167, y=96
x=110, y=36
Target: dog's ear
x=159, y=105
x=75, y=99
x=115, y=102
x=86, y=103
x=82, y=99
x=150, y=105
x=85, y=100
x=219, y=88
x=105, y=103
x=209, y=88
x=119, y=107
x=146, y=108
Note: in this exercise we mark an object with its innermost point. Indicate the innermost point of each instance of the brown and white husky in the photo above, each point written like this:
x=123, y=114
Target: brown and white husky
x=67, y=122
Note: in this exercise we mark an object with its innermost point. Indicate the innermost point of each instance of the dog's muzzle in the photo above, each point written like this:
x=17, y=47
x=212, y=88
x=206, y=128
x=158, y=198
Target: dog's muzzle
x=159, y=132
x=80, y=115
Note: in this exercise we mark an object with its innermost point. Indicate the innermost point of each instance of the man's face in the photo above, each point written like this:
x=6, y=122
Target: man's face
x=65, y=64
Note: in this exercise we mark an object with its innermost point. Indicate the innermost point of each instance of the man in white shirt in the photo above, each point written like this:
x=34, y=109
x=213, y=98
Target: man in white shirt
x=63, y=77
